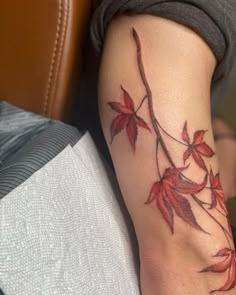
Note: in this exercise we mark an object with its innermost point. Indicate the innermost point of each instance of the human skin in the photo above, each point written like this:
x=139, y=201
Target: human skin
x=226, y=152
x=154, y=103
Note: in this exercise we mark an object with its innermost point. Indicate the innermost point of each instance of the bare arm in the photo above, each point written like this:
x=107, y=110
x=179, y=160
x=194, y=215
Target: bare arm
x=226, y=151
x=154, y=100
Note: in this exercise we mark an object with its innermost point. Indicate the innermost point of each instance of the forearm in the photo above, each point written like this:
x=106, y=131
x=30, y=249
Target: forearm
x=167, y=71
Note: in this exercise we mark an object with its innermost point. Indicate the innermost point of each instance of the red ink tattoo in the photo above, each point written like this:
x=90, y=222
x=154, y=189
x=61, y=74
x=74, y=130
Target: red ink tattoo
x=217, y=194
x=197, y=148
x=173, y=190
x=127, y=118
x=168, y=193
x=227, y=264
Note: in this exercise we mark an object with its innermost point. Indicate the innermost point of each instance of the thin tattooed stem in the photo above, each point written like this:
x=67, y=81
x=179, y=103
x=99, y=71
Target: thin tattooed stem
x=208, y=204
x=149, y=97
x=226, y=216
x=145, y=97
x=171, y=190
x=169, y=135
x=154, y=120
x=221, y=213
x=156, y=125
x=209, y=214
x=156, y=187
x=157, y=162
x=190, y=180
x=227, y=238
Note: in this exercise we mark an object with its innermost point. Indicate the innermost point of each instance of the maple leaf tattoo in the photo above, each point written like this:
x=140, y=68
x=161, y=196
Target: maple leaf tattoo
x=228, y=263
x=197, y=148
x=127, y=118
x=174, y=193
x=217, y=194
x=168, y=193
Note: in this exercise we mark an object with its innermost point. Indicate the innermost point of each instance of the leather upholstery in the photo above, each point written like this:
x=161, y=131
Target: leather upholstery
x=40, y=53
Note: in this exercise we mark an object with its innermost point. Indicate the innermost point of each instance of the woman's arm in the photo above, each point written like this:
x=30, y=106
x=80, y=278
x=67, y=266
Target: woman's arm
x=154, y=100
x=226, y=152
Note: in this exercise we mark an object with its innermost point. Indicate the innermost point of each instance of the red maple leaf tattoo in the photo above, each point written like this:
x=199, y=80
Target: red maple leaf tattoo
x=173, y=192
x=228, y=263
x=197, y=148
x=127, y=118
x=217, y=194
x=168, y=193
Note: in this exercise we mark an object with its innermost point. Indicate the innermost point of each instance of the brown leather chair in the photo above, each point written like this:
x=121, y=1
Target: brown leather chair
x=40, y=53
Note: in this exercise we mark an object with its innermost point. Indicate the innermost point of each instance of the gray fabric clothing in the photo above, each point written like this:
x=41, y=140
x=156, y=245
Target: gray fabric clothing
x=16, y=127
x=214, y=21
x=27, y=143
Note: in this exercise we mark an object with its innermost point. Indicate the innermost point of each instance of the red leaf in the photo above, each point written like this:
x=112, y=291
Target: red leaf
x=212, y=178
x=119, y=108
x=132, y=132
x=186, y=187
x=173, y=173
x=198, y=160
x=229, y=263
x=185, y=135
x=118, y=124
x=141, y=123
x=126, y=118
x=220, y=266
x=183, y=209
x=204, y=149
x=213, y=201
x=198, y=136
x=223, y=252
x=128, y=100
x=173, y=177
x=168, y=193
x=231, y=283
x=197, y=148
x=166, y=210
x=216, y=180
x=217, y=195
x=162, y=203
x=187, y=154
x=154, y=192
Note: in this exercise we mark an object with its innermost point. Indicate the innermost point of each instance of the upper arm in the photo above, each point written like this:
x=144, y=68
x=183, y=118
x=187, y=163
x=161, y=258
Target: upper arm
x=154, y=101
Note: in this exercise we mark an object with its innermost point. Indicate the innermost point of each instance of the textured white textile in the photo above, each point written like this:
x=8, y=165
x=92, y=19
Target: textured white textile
x=63, y=231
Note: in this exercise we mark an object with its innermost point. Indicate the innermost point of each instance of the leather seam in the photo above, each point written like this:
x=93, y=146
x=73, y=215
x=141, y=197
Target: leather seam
x=53, y=60
x=62, y=40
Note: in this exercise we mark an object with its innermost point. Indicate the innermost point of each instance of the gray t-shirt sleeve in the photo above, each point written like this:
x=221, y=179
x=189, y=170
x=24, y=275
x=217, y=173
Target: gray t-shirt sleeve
x=214, y=21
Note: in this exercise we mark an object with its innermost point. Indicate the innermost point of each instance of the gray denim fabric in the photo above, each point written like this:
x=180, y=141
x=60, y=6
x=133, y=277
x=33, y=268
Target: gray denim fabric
x=214, y=21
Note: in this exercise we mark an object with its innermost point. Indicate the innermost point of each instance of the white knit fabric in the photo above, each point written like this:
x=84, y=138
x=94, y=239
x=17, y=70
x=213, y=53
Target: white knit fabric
x=63, y=232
